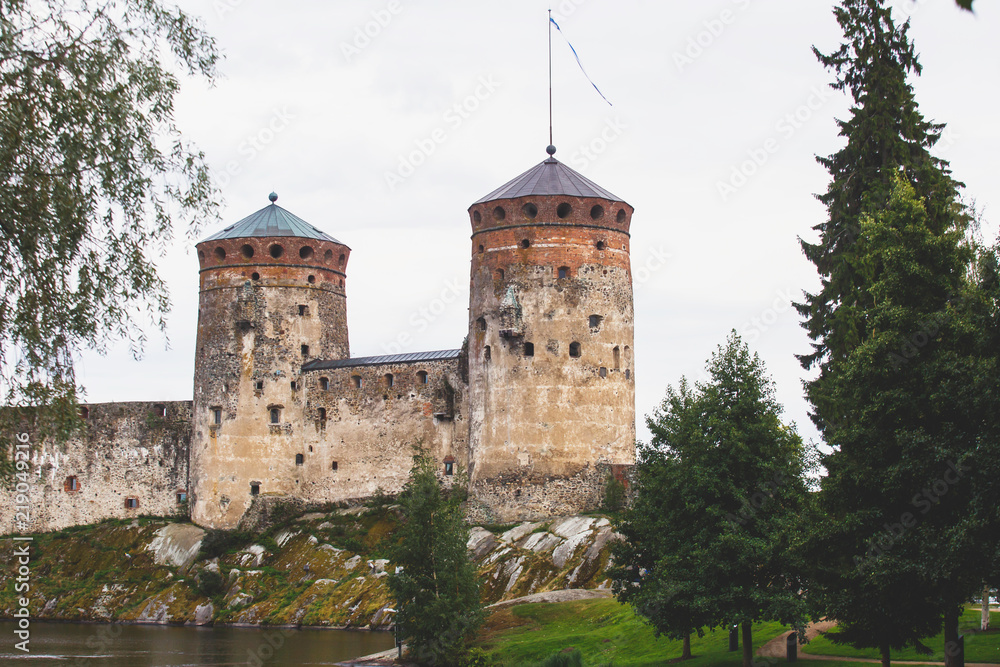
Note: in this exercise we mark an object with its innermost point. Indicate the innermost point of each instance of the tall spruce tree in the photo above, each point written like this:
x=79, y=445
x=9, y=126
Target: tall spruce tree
x=437, y=589
x=885, y=132
x=712, y=534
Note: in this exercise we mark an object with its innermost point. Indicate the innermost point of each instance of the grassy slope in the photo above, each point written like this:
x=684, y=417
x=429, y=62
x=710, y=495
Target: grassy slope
x=979, y=646
x=604, y=631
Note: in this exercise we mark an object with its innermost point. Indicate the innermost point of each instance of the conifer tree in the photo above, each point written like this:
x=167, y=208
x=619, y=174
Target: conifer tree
x=437, y=589
x=712, y=534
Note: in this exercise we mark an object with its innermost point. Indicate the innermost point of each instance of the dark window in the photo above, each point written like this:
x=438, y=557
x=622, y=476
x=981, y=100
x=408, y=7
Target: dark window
x=84, y=412
x=604, y=372
x=356, y=381
x=131, y=503
x=525, y=243
x=530, y=210
x=449, y=468
x=182, y=496
x=621, y=215
x=597, y=212
x=220, y=252
x=247, y=250
x=324, y=383
x=160, y=410
x=294, y=386
x=422, y=377
x=322, y=414
x=311, y=279
x=563, y=272
x=563, y=210
x=255, y=276
x=71, y=484
x=216, y=415
x=342, y=259
x=628, y=374
x=389, y=380
x=255, y=489
x=260, y=385
x=601, y=245
x=529, y=349
x=482, y=323
x=499, y=213
x=275, y=415
x=305, y=252
x=300, y=459
x=574, y=349
x=618, y=358
x=498, y=274
x=595, y=321
x=333, y=466
x=276, y=251
x=486, y=353
x=305, y=350
x=303, y=310
x=481, y=248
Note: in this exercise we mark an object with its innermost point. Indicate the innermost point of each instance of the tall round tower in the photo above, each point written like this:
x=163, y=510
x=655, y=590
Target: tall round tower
x=272, y=297
x=551, y=376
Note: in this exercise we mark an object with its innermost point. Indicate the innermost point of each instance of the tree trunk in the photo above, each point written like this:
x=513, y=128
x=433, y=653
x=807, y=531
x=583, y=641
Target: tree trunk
x=747, y=644
x=985, y=625
x=686, y=653
x=951, y=636
x=883, y=649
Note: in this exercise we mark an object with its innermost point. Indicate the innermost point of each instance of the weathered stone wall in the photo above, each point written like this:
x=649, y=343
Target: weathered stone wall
x=552, y=385
x=267, y=305
x=124, y=450
x=371, y=431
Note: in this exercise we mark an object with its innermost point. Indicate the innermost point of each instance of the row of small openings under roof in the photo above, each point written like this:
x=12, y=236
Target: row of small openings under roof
x=277, y=251
x=564, y=210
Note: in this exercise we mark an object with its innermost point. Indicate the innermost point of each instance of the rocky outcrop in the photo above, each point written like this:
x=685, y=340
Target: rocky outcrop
x=306, y=573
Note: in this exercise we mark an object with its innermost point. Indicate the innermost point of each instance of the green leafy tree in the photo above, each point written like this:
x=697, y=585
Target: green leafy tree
x=93, y=173
x=437, y=589
x=902, y=547
x=712, y=534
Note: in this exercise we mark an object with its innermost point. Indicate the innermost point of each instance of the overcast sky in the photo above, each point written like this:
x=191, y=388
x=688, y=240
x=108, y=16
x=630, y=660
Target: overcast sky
x=380, y=122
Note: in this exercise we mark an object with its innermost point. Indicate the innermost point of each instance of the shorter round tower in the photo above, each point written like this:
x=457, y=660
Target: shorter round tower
x=551, y=375
x=272, y=297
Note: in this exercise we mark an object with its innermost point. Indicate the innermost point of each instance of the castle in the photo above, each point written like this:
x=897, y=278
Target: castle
x=537, y=405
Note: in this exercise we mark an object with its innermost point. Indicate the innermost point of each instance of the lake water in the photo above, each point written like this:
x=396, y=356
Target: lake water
x=119, y=645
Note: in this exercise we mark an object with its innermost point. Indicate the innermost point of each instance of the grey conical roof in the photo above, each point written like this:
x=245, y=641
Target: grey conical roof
x=550, y=177
x=272, y=220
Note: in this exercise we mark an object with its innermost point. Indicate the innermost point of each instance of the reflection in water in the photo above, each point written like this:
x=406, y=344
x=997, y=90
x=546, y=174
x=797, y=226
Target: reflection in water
x=119, y=645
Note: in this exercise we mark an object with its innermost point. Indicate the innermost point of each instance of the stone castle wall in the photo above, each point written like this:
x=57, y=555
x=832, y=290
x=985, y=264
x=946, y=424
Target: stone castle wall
x=136, y=451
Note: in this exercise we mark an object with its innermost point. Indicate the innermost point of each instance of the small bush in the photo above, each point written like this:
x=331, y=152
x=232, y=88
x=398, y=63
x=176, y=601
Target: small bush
x=614, y=495
x=210, y=583
x=477, y=657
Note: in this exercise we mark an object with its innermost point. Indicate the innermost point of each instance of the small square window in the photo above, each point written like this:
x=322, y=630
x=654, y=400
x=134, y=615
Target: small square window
x=604, y=372
x=529, y=349
x=303, y=311
x=563, y=272
x=72, y=484
x=300, y=459
x=131, y=503
x=275, y=415
x=333, y=466
x=574, y=350
x=182, y=496
x=255, y=489
x=449, y=468
x=356, y=381
x=305, y=350
x=421, y=377
x=259, y=385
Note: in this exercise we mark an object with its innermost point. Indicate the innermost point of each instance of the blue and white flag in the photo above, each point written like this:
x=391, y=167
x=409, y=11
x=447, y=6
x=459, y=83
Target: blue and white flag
x=580, y=63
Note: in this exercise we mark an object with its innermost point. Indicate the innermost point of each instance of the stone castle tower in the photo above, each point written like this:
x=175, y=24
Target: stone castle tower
x=551, y=376
x=272, y=297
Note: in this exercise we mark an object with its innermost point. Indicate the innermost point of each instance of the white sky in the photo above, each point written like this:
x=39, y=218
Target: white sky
x=698, y=89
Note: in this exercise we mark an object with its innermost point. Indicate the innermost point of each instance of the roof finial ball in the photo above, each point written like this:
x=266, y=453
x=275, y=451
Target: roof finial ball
x=550, y=149
x=273, y=197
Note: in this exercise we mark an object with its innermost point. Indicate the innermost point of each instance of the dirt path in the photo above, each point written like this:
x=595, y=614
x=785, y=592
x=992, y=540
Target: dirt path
x=776, y=649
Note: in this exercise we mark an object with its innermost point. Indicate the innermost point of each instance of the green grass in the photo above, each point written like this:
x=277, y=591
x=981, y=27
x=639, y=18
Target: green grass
x=979, y=646
x=605, y=632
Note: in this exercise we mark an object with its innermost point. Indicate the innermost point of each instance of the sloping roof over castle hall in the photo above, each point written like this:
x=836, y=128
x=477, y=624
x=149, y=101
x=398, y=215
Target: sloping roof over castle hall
x=409, y=357
x=272, y=220
x=550, y=177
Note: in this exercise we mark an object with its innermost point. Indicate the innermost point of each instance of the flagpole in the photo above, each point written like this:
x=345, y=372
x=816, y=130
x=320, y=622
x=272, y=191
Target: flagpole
x=550, y=78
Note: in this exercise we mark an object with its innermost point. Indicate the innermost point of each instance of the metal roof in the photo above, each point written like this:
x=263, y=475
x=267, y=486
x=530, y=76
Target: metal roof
x=550, y=177
x=409, y=357
x=271, y=220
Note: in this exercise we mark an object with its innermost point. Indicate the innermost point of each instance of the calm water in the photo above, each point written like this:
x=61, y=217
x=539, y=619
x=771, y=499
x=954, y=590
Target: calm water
x=69, y=645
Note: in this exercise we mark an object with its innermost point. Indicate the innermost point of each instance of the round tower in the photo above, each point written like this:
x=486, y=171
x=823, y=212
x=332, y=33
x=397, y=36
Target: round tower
x=551, y=375
x=272, y=297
